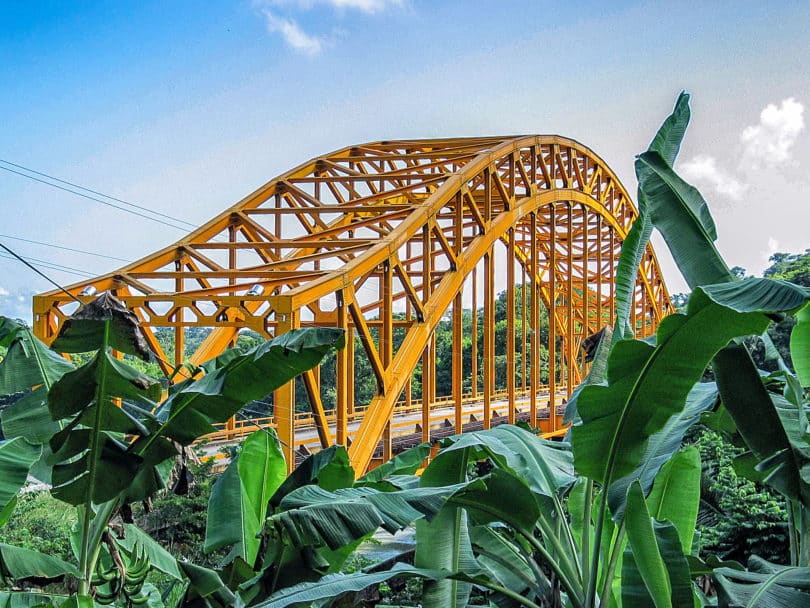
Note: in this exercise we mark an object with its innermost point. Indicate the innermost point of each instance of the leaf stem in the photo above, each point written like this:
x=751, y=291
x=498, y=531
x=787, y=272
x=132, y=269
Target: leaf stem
x=85, y=549
x=574, y=593
x=585, y=546
x=614, y=559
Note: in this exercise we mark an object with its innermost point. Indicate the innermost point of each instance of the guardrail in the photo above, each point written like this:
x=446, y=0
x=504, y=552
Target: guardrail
x=238, y=429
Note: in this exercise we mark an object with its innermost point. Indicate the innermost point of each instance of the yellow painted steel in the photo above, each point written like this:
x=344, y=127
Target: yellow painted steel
x=386, y=240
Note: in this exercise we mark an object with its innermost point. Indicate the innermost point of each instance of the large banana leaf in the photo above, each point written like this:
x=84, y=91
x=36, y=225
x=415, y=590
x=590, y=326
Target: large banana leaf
x=239, y=499
x=646, y=554
x=17, y=563
x=207, y=589
x=191, y=411
x=314, y=516
x=444, y=542
x=16, y=458
x=675, y=496
x=28, y=362
x=663, y=445
x=329, y=468
x=763, y=426
x=30, y=599
x=546, y=466
x=503, y=562
x=90, y=461
x=405, y=463
x=800, y=345
x=334, y=585
x=764, y=585
x=667, y=142
x=648, y=384
x=680, y=213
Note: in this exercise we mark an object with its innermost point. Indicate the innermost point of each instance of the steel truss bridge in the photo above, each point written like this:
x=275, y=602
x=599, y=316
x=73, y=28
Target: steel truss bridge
x=386, y=240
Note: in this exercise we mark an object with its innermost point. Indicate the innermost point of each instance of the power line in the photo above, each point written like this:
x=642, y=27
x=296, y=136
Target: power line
x=53, y=266
x=80, y=187
x=98, y=200
x=40, y=273
x=98, y=255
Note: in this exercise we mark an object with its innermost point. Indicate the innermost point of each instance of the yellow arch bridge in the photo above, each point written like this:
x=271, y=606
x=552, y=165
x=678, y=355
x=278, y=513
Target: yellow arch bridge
x=396, y=236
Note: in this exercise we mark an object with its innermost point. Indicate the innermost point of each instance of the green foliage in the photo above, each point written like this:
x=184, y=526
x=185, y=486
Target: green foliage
x=42, y=523
x=738, y=518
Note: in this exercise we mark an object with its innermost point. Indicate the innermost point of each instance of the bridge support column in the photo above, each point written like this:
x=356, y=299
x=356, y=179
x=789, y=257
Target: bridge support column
x=284, y=400
x=535, y=323
x=342, y=375
x=489, y=338
x=510, y=326
x=552, y=319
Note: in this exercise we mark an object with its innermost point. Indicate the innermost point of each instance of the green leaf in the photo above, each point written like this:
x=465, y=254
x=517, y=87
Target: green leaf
x=679, y=212
x=752, y=294
x=634, y=591
x=633, y=247
x=137, y=542
x=405, y=463
x=663, y=445
x=547, y=466
x=313, y=516
x=444, y=542
x=763, y=425
x=675, y=496
x=28, y=362
x=646, y=555
x=206, y=585
x=17, y=563
x=788, y=586
x=29, y=417
x=191, y=411
x=329, y=468
x=16, y=458
x=240, y=497
x=648, y=384
x=504, y=563
x=334, y=585
x=30, y=599
x=86, y=330
x=667, y=141
x=800, y=345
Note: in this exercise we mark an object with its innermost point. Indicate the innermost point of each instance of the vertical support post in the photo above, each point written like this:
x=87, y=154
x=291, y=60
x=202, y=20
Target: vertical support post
x=489, y=330
x=552, y=318
x=586, y=327
x=284, y=400
x=612, y=285
x=387, y=341
x=474, y=330
x=523, y=326
x=428, y=368
x=457, y=360
x=510, y=326
x=342, y=375
x=534, y=303
x=600, y=322
x=571, y=355
x=349, y=368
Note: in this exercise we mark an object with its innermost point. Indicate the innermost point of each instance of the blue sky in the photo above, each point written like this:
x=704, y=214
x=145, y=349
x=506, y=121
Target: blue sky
x=185, y=107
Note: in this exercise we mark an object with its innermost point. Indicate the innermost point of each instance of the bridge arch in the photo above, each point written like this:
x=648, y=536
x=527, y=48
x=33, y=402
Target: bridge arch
x=386, y=240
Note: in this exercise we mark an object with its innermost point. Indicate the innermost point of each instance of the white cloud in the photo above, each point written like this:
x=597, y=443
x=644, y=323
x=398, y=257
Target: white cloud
x=769, y=143
x=4, y=292
x=293, y=35
x=704, y=169
x=366, y=6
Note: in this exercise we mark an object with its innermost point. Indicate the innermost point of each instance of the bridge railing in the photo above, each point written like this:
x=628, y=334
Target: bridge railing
x=305, y=420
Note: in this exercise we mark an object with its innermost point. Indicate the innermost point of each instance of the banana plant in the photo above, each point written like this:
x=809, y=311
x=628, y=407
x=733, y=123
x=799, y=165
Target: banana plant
x=617, y=528
x=71, y=429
